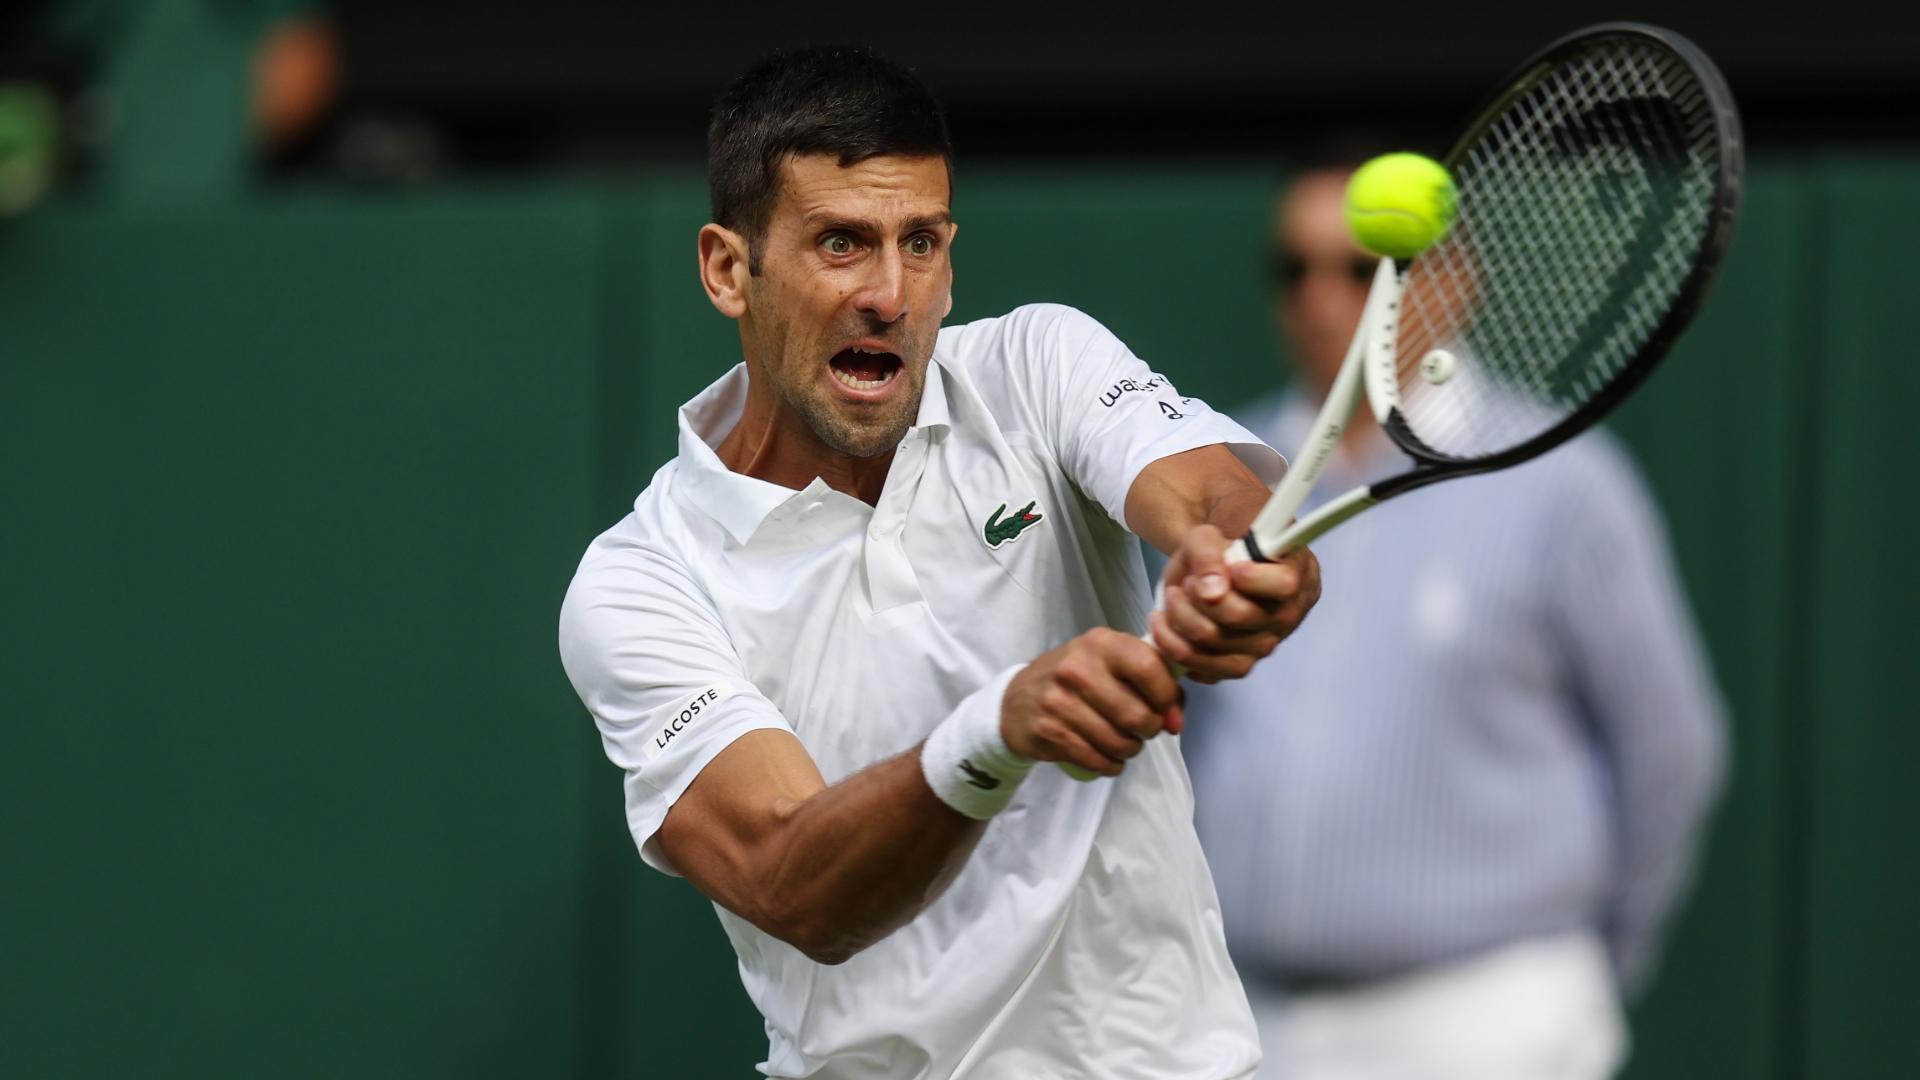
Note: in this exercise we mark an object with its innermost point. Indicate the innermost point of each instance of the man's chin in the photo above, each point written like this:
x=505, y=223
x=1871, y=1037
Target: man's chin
x=868, y=452
x=864, y=437
x=861, y=429
x=864, y=441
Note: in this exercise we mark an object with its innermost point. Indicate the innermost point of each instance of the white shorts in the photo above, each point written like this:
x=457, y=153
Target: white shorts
x=1543, y=1009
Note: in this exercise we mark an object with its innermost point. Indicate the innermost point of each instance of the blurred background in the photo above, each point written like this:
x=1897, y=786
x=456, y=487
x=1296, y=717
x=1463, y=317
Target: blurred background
x=330, y=333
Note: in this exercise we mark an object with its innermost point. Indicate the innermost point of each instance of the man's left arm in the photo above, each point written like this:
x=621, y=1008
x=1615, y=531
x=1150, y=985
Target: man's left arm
x=1642, y=678
x=1217, y=619
x=1172, y=470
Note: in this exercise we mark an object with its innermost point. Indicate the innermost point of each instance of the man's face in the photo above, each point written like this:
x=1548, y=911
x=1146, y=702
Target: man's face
x=855, y=275
x=1322, y=279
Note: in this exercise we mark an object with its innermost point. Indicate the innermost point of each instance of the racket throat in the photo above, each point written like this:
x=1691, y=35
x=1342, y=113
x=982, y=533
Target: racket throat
x=1374, y=337
x=1369, y=361
x=1329, y=514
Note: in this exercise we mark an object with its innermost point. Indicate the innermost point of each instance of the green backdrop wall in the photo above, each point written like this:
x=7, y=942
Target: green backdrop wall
x=290, y=490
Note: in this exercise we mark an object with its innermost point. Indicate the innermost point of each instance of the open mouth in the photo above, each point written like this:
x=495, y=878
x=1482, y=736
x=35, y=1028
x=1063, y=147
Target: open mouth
x=860, y=369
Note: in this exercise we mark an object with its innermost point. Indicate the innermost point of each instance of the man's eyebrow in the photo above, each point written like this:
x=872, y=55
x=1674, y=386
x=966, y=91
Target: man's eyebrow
x=829, y=219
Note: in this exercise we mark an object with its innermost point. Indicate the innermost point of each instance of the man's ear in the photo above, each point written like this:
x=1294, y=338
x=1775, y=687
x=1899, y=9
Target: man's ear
x=723, y=269
x=953, y=230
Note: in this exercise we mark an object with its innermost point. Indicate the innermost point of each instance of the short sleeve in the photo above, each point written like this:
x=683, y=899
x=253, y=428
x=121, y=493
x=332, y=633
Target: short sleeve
x=1104, y=412
x=646, y=652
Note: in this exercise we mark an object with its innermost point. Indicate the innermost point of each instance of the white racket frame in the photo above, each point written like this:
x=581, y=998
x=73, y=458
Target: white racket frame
x=1372, y=360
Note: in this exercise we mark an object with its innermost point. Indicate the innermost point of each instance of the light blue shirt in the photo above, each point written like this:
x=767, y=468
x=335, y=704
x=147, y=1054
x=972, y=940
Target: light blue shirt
x=1498, y=723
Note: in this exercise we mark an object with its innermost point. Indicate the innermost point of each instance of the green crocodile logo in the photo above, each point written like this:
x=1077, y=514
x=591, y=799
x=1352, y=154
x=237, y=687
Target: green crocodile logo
x=979, y=778
x=999, y=532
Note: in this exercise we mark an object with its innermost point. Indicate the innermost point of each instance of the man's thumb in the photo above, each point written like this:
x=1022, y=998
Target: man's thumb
x=1206, y=551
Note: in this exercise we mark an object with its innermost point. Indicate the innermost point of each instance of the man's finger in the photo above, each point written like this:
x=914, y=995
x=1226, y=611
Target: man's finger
x=1310, y=576
x=1144, y=670
x=1185, y=617
x=1226, y=658
x=1272, y=581
x=1235, y=611
x=1082, y=736
x=1125, y=719
x=1205, y=552
x=1077, y=751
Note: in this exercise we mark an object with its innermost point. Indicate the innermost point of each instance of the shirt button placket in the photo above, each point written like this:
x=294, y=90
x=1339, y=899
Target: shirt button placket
x=889, y=571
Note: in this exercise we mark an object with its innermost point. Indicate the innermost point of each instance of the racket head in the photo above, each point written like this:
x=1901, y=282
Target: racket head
x=1597, y=193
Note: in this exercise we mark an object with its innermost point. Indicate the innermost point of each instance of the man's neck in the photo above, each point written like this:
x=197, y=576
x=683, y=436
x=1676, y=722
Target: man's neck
x=771, y=443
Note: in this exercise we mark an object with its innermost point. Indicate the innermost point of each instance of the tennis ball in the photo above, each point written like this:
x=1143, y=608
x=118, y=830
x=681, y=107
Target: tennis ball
x=1399, y=204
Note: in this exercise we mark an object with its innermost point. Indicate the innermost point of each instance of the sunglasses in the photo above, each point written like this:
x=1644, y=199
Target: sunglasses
x=1290, y=268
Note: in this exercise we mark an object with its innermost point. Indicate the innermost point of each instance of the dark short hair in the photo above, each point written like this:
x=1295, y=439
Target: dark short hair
x=827, y=99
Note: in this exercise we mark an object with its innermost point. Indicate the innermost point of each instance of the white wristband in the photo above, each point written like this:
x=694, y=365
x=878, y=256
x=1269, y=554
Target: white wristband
x=967, y=762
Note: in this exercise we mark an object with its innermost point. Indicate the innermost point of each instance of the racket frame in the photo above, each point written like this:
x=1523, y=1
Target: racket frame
x=1372, y=357
x=1272, y=535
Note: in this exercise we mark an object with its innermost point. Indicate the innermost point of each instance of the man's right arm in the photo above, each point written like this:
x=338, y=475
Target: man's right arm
x=826, y=869
x=831, y=869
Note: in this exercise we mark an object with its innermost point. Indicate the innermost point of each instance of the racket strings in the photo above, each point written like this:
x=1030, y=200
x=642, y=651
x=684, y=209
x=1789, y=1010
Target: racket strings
x=1582, y=207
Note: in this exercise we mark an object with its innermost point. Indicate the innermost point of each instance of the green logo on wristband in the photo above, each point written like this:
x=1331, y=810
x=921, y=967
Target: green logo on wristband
x=983, y=781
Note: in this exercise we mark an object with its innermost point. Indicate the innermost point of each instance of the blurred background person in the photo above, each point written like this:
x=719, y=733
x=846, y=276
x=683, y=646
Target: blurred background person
x=1449, y=820
x=296, y=83
x=303, y=124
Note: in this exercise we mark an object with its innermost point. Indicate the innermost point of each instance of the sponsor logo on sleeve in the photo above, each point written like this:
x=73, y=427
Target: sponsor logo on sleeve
x=680, y=721
x=1112, y=395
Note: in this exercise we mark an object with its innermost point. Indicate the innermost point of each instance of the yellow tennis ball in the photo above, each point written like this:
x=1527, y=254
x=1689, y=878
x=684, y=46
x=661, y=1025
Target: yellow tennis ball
x=1399, y=204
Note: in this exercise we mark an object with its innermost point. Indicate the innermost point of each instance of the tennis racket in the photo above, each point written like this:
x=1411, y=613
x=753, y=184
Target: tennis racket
x=1596, y=197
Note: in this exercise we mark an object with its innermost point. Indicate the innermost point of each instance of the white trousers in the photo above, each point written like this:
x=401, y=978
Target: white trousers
x=1534, y=1010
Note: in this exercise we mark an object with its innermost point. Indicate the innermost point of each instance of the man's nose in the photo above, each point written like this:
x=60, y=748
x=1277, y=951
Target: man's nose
x=1324, y=287
x=884, y=293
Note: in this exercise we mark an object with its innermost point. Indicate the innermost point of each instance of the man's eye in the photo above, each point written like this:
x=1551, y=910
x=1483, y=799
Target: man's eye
x=840, y=245
x=920, y=245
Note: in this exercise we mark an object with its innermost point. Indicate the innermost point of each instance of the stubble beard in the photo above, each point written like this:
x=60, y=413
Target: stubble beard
x=859, y=431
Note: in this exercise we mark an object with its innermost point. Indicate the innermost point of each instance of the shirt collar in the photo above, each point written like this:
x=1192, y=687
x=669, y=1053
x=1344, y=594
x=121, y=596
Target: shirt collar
x=740, y=503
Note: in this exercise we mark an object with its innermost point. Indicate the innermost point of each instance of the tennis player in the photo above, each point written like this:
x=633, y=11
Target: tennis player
x=891, y=571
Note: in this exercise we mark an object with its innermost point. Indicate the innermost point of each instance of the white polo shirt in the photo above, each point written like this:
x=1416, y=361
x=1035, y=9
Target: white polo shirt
x=1082, y=938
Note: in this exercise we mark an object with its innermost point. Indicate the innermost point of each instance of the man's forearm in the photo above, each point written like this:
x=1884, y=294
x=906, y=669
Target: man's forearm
x=1208, y=486
x=831, y=870
x=858, y=860
x=1232, y=508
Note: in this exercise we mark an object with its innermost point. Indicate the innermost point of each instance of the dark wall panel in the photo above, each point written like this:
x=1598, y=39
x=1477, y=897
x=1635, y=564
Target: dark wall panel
x=1862, y=881
x=295, y=781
